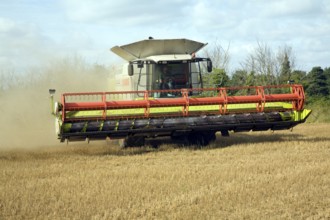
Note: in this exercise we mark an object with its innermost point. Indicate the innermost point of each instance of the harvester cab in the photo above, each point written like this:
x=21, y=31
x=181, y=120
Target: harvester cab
x=162, y=65
x=160, y=93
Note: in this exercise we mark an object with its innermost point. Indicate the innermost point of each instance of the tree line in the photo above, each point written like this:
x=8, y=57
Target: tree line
x=264, y=66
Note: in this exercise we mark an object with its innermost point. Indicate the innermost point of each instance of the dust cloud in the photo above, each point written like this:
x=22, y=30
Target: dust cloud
x=26, y=121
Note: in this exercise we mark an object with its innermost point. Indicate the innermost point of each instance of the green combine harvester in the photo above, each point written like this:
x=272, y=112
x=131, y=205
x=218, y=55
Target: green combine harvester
x=160, y=93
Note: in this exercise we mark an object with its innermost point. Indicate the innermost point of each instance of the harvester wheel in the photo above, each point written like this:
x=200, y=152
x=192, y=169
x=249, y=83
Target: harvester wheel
x=210, y=136
x=201, y=138
x=133, y=142
x=225, y=133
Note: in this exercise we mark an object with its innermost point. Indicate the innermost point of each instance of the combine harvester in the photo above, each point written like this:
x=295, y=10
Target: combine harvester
x=160, y=93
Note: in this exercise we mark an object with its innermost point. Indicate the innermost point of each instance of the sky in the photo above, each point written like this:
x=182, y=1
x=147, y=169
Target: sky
x=35, y=32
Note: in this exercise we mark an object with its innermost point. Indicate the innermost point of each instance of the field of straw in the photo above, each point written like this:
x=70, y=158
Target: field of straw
x=281, y=175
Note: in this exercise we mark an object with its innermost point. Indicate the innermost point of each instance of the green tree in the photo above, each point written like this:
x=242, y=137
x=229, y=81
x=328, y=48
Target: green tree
x=239, y=78
x=242, y=78
x=219, y=78
x=251, y=79
x=220, y=59
x=299, y=77
x=327, y=75
x=285, y=70
x=317, y=83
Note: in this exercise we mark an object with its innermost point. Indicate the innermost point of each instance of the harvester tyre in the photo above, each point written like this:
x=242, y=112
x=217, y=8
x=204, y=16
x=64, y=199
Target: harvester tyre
x=210, y=136
x=201, y=139
x=133, y=142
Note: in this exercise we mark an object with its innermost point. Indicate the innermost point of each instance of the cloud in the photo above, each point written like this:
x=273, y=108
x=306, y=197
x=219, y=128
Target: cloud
x=301, y=9
x=124, y=12
x=213, y=15
x=34, y=33
x=21, y=44
x=26, y=44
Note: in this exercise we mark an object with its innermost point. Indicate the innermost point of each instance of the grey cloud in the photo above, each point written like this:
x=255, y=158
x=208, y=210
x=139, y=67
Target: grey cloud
x=91, y=27
x=124, y=12
x=20, y=43
x=294, y=8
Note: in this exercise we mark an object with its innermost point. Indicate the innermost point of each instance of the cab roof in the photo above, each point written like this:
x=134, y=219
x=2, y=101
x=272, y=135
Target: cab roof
x=154, y=47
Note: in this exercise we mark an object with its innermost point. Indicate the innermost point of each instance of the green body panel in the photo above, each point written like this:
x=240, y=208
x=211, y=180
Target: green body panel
x=231, y=108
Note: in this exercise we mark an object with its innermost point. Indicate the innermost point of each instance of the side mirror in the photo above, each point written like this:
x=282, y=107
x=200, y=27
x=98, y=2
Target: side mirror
x=140, y=64
x=52, y=103
x=52, y=92
x=130, y=69
x=209, y=66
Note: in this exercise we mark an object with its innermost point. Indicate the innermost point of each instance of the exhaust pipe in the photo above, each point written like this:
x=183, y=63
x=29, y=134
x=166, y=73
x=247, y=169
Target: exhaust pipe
x=51, y=96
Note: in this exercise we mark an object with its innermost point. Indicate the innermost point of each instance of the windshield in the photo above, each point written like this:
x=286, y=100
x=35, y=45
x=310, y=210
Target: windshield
x=169, y=76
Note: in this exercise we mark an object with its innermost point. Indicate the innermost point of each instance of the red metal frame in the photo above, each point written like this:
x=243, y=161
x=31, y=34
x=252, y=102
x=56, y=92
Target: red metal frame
x=261, y=96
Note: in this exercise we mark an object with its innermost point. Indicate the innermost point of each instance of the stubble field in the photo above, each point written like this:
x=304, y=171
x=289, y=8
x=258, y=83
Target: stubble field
x=281, y=175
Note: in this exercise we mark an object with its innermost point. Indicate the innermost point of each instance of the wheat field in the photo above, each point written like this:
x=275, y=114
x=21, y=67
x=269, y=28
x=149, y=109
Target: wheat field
x=262, y=175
